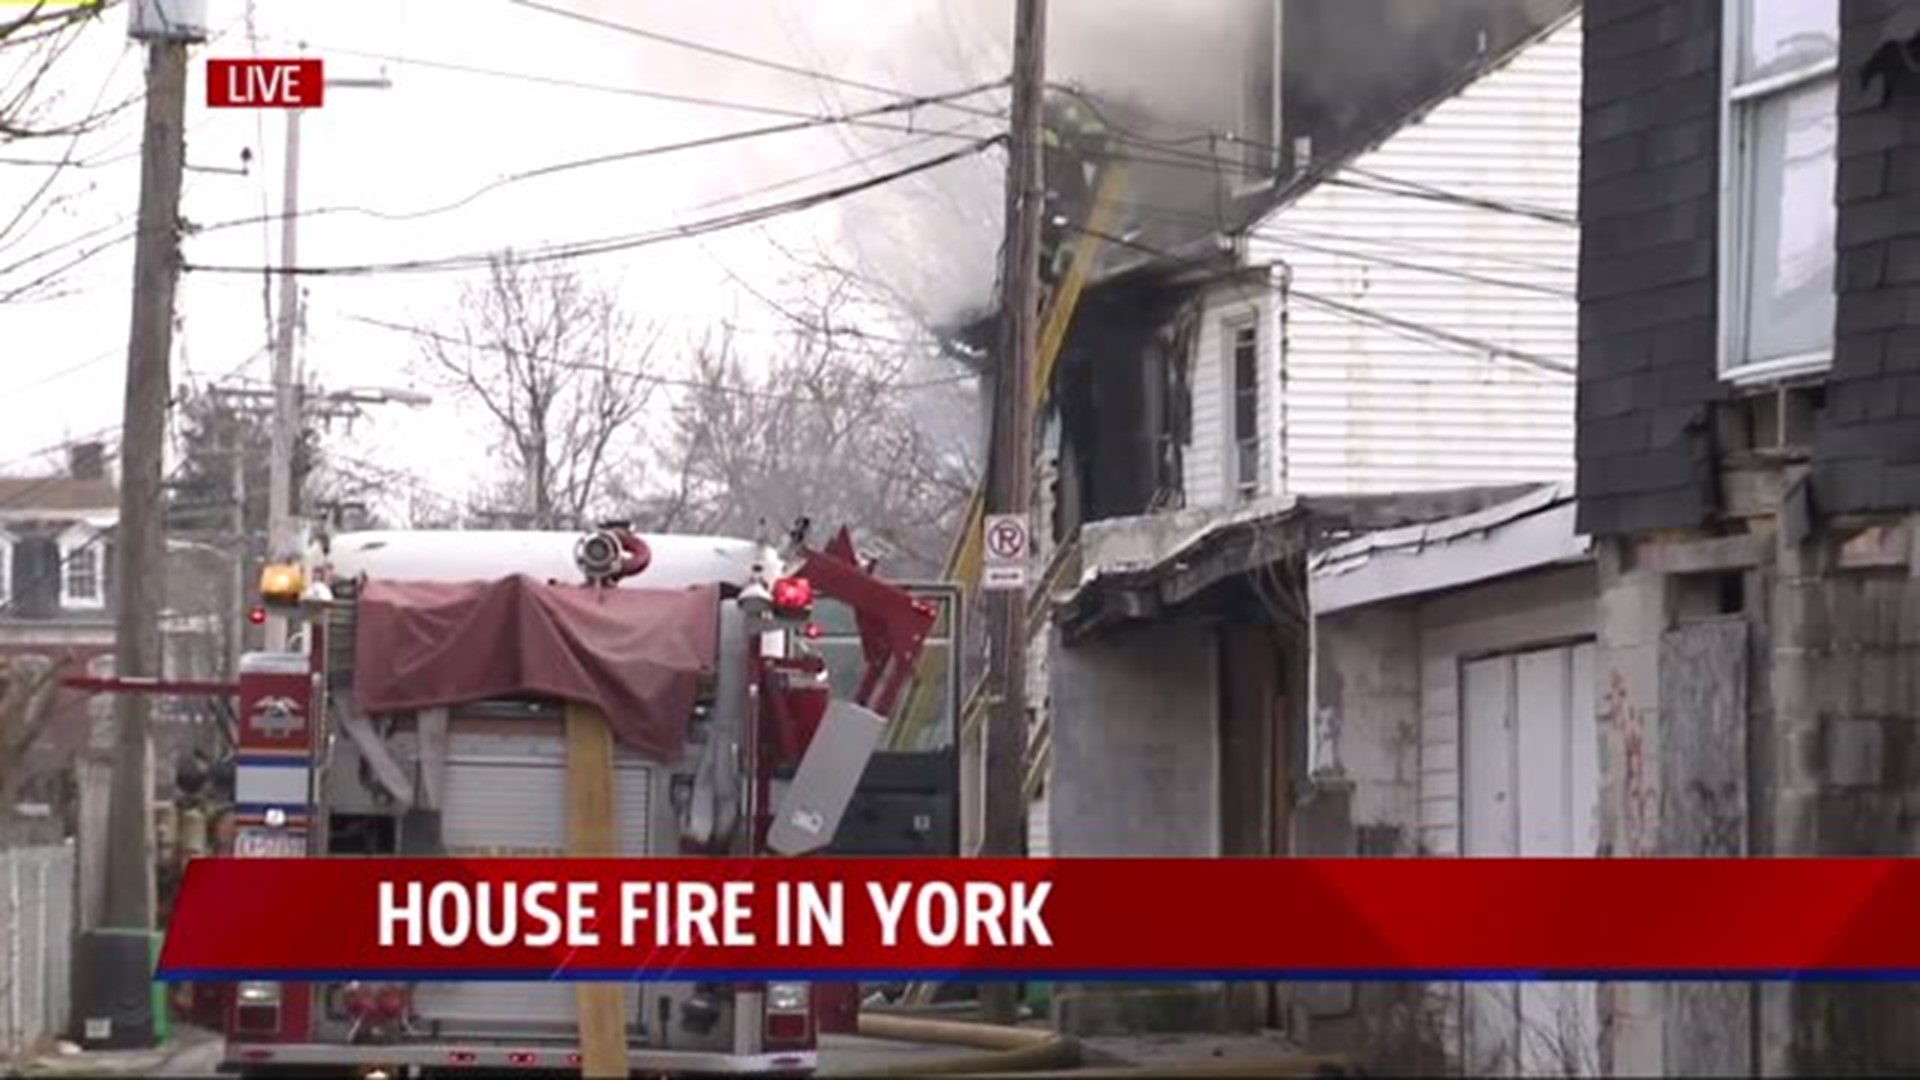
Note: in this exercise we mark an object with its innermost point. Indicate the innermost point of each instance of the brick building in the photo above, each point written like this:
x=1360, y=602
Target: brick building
x=1749, y=469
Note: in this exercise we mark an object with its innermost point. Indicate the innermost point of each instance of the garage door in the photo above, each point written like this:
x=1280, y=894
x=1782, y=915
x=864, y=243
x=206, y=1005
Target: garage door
x=507, y=795
x=1530, y=788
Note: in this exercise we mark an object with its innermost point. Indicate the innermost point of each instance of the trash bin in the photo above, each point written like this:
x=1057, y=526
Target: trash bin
x=117, y=1004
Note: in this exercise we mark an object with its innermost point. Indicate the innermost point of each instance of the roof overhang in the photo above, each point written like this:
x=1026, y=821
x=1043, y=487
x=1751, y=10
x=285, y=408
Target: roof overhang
x=1531, y=533
x=1148, y=567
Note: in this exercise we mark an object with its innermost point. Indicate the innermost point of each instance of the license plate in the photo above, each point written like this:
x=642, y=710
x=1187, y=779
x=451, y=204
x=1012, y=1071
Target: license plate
x=269, y=844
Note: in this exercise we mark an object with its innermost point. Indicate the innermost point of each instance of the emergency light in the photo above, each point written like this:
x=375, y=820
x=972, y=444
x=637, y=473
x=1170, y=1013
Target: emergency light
x=282, y=584
x=792, y=598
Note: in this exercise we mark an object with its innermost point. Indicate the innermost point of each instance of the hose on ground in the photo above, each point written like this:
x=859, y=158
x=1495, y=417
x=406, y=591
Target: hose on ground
x=1003, y=1050
x=1289, y=1065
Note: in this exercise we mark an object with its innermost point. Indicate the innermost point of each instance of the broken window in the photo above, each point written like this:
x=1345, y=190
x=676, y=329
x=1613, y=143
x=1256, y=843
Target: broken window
x=1246, y=409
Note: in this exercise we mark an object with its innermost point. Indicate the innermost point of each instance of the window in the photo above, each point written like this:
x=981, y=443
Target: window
x=1246, y=409
x=1777, y=215
x=81, y=570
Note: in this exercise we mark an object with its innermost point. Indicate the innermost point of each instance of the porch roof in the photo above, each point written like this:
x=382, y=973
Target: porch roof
x=1147, y=567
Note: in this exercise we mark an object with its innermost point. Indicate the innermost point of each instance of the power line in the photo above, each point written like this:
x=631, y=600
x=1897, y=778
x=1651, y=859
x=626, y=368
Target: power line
x=1369, y=316
x=618, y=156
x=1210, y=163
x=611, y=245
x=1427, y=268
x=644, y=376
x=727, y=54
x=564, y=83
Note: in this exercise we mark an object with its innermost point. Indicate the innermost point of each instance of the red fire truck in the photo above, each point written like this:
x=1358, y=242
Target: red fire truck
x=423, y=715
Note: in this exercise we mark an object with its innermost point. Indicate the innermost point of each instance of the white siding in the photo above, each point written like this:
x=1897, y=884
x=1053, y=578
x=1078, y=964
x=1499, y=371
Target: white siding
x=1369, y=408
x=1209, y=475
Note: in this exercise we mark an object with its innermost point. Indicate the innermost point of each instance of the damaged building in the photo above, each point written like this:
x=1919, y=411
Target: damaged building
x=1379, y=334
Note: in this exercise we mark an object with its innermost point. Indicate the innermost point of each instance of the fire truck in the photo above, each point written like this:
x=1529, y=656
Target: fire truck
x=423, y=712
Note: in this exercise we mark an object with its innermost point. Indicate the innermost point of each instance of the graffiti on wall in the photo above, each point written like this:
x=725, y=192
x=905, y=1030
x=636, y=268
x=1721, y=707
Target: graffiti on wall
x=1639, y=794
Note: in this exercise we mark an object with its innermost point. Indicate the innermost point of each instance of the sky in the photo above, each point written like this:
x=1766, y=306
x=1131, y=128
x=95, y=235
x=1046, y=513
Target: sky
x=539, y=88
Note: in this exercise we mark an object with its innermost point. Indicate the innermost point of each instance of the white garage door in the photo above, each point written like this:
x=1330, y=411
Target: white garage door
x=1531, y=788
x=507, y=795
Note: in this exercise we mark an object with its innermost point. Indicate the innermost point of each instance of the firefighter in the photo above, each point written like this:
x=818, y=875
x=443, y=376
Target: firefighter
x=1072, y=142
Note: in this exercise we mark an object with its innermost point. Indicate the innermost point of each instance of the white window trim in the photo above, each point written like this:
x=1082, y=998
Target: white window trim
x=1238, y=491
x=74, y=539
x=1731, y=288
x=7, y=542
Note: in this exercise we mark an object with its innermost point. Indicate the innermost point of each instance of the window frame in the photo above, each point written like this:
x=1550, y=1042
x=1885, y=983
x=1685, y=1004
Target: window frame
x=1241, y=487
x=73, y=541
x=7, y=542
x=1738, y=109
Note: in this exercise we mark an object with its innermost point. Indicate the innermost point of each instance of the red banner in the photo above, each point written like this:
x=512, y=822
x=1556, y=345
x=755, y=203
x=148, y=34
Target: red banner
x=424, y=919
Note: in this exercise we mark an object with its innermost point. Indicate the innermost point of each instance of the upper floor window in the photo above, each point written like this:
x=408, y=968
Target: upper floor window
x=1779, y=125
x=82, y=570
x=1246, y=409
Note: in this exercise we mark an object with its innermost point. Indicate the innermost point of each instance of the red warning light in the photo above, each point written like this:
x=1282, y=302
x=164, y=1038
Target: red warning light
x=257, y=616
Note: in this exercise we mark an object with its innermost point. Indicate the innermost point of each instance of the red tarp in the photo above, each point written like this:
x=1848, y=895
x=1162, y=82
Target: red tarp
x=637, y=654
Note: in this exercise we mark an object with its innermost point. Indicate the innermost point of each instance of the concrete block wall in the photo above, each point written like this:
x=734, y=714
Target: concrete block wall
x=1369, y=682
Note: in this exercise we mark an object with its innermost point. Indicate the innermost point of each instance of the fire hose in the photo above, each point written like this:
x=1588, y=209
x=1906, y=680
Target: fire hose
x=1001, y=1049
x=1030, y=1053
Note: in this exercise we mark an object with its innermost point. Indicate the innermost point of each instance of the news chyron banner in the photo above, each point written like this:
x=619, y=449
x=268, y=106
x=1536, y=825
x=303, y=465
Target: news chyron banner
x=1079, y=919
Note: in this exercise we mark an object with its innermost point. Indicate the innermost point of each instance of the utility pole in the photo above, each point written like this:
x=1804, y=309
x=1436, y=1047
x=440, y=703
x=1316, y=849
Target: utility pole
x=1011, y=475
x=286, y=399
x=288, y=386
x=140, y=536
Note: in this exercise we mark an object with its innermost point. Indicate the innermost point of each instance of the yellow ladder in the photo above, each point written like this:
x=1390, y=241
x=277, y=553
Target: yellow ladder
x=964, y=558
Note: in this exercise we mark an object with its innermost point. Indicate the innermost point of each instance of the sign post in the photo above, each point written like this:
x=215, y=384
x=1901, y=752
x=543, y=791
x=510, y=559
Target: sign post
x=1008, y=549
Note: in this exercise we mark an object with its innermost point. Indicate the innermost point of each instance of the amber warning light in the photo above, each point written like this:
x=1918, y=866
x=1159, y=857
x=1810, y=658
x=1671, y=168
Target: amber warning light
x=281, y=584
x=256, y=83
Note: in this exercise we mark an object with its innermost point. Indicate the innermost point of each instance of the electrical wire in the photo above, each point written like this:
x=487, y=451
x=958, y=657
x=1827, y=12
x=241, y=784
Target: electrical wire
x=643, y=376
x=610, y=245
x=725, y=54
x=618, y=156
x=565, y=83
x=1212, y=163
x=1368, y=316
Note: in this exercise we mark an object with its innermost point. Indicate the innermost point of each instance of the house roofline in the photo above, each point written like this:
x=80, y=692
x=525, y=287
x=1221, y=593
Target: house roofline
x=1532, y=533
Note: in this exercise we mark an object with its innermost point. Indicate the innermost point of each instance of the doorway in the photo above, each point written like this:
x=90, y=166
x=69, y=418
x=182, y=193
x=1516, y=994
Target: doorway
x=1530, y=788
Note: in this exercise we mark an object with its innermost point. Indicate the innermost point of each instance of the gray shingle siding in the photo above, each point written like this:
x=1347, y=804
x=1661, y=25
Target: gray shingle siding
x=1867, y=452
x=1649, y=177
x=1649, y=299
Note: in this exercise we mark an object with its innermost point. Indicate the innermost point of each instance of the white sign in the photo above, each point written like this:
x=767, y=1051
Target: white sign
x=1007, y=552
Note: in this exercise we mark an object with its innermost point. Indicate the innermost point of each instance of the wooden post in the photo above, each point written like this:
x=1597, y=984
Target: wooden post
x=1010, y=478
x=590, y=834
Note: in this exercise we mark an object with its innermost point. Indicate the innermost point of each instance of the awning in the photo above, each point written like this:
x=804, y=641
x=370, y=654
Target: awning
x=637, y=654
x=1145, y=568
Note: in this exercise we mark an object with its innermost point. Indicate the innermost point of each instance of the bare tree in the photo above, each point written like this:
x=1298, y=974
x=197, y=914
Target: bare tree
x=34, y=110
x=561, y=372
x=839, y=427
x=27, y=686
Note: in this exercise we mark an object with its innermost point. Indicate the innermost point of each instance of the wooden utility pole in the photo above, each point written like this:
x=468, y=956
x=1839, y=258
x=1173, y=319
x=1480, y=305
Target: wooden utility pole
x=1010, y=491
x=140, y=538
